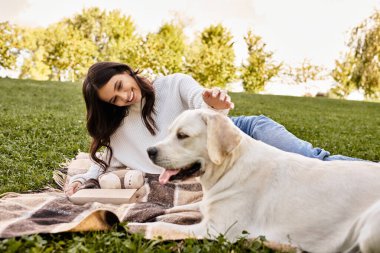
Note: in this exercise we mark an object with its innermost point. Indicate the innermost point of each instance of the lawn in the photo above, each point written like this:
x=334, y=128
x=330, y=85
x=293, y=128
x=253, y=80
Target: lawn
x=42, y=124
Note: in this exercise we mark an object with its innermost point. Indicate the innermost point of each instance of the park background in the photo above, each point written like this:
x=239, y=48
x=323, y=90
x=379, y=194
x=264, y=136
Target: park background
x=294, y=47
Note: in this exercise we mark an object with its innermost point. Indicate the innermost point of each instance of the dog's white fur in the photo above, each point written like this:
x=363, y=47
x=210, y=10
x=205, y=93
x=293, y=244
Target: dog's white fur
x=314, y=205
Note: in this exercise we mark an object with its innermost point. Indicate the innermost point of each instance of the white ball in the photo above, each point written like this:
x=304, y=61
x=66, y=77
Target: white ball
x=109, y=181
x=133, y=179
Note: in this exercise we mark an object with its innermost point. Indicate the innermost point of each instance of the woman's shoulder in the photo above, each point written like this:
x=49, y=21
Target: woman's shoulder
x=172, y=78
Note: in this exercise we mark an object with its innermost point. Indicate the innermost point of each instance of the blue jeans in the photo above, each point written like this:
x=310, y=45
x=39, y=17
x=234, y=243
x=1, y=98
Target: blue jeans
x=270, y=132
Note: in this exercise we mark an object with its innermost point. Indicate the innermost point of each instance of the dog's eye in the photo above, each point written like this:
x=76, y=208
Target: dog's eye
x=182, y=136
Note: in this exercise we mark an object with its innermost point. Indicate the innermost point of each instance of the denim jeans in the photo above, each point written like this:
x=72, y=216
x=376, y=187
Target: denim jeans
x=270, y=132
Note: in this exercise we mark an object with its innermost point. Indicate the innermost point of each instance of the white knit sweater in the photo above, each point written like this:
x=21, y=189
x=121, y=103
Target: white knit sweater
x=174, y=94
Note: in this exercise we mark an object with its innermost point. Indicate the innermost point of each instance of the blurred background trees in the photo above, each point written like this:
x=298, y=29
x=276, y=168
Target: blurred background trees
x=306, y=71
x=359, y=68
x=65, y=50
x=9, y=46
x=210, y=59
x=260, y=67
x=163, y=52
x=342, y=73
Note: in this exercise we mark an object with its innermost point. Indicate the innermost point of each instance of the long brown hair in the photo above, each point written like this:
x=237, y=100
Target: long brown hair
x=104, y=118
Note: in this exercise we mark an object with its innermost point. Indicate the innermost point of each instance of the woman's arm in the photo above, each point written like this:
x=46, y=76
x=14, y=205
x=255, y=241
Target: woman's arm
x=196, y=96
x=93, y=172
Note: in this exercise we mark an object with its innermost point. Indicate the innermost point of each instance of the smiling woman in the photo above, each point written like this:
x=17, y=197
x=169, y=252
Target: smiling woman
x=108, y=84
x=121, y=90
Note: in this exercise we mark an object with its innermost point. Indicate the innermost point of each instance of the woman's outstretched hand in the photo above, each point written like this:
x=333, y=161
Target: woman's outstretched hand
x=217, y=98
x=72, y=188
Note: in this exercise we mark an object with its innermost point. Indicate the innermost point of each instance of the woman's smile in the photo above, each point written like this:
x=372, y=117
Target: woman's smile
x=120, y=90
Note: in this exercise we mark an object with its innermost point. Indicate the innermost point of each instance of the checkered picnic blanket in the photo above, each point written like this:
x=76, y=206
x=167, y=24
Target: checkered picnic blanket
x=50, y=211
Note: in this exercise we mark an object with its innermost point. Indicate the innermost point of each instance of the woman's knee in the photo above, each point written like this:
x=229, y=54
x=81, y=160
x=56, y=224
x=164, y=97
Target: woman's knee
x=245, y=123
x=266, y=124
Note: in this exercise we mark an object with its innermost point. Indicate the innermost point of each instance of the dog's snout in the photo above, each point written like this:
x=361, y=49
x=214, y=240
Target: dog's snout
x=152, y=153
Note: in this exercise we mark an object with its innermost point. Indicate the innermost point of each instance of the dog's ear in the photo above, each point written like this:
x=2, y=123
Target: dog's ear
x=222, y=136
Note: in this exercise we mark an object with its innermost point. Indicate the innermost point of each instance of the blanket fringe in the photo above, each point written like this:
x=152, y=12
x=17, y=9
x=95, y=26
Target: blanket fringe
x=59, y=178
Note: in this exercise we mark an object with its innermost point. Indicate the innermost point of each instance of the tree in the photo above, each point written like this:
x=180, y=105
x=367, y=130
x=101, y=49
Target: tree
x=91, y=24
x=65, y=50
x=34, y=51
x=68, y=52
x=364, y=51
x=9, y=39
x=306, y=72
x=260, y=67
x=342, y=73
x=163, y=51
x=210, y=59
x=112, y=33
x=366, y=41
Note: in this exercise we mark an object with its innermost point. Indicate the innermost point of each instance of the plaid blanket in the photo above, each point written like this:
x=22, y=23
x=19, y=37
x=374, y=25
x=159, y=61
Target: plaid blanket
x=50, y=211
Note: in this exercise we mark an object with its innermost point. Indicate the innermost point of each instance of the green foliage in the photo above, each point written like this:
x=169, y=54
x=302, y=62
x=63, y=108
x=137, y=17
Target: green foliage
x=112, y=33
x=59, y=52
x=210, y=60
x=342, y=73
x=9, y=37
x=163, y=51
x=35, y=68
x=366, y=42
x=306, y=72
x=119, y=240
x=362, y=62
x=66, y=49
x=33, y=44
x=67, y=52
x=260, y=67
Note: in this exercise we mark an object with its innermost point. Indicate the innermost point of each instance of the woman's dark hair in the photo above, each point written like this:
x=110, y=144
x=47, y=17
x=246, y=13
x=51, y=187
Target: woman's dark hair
x=104, y=118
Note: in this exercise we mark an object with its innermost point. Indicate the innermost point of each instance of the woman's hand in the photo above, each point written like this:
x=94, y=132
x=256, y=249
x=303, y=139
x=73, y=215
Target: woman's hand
x=72, y=188
x=217, y=98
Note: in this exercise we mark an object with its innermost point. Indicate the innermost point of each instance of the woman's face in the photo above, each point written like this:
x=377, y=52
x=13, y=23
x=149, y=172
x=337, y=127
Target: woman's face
x=120, y=90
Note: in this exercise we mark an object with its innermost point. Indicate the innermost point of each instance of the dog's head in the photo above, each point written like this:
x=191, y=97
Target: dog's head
x=198, y=140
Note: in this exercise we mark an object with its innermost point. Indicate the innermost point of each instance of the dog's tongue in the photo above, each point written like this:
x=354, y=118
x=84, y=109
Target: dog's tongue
x=166, y=174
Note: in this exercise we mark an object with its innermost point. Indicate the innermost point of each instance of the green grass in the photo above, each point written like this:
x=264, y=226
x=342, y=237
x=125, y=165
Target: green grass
x=42, y=124
x=118, y=241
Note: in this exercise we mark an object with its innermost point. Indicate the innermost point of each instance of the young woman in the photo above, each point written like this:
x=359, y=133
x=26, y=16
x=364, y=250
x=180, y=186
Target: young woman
x=126, y=114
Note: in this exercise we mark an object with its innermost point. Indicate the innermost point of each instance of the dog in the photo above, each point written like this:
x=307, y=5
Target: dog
x=313, y=205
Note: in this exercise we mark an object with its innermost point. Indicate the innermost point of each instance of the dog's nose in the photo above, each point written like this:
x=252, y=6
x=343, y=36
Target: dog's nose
x=152, y=153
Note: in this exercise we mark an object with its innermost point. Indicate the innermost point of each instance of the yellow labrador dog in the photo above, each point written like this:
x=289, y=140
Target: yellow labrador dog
x=314, y=205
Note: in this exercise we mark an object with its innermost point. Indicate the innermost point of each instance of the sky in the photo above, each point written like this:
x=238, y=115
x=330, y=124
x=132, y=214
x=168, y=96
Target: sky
x=316, y=30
